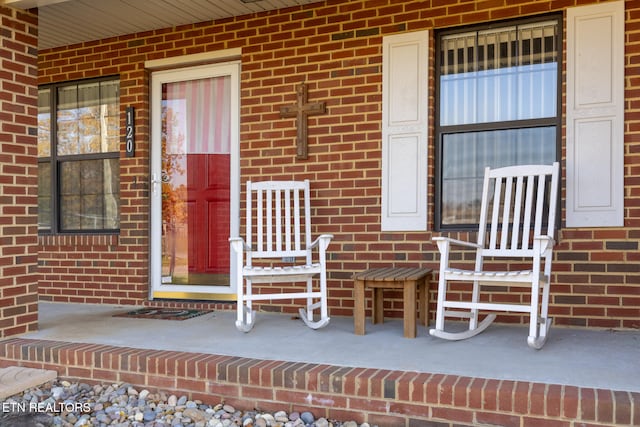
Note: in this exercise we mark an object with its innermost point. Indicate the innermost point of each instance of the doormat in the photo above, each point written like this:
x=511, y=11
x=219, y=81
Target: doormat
x=163, y=313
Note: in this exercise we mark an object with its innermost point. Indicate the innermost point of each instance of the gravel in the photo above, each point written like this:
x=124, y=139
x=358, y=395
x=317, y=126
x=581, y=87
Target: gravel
x=62, y=403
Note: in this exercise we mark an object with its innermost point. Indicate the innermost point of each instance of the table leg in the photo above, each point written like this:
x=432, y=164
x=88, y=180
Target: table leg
x=358, y=320
x=424, y=302
x=409, y=308
x=377, y=316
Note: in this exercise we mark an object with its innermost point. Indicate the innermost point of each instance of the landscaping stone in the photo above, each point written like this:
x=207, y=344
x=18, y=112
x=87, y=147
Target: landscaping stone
x=61, y=403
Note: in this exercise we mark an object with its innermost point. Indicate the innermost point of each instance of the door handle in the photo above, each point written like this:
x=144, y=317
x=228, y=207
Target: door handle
x=154, y=182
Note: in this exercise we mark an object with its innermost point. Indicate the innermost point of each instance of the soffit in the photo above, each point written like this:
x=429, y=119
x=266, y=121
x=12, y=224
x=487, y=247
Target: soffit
x=66, y=22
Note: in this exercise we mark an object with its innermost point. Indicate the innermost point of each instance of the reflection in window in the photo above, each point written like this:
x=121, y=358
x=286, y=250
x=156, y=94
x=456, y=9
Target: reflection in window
x=499, y=75
x=44, y=159
x=498, y=96
x=465, y=156
x=84, y=153
x=87, y=119
x=89, y=194
x=44, y=195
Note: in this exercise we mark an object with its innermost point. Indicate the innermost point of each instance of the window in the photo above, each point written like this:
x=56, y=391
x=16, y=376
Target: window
x=497, y=97
x=78, y=157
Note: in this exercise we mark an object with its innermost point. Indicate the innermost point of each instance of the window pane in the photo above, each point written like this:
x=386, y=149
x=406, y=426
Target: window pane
x=44, y=123
x=88, y=118
x=89, y=132
x=67, y=120
x=196, y=117
x=496, y=75
x=44, y=196
x=89, y=195
x=465, y=155
x=110, y=114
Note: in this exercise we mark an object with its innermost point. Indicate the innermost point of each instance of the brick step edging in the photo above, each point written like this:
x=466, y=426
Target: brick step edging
x=378, y=396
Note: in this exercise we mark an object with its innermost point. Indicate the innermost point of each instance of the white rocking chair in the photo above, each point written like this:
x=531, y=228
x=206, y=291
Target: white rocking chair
x=279, y=219
x=520, y=224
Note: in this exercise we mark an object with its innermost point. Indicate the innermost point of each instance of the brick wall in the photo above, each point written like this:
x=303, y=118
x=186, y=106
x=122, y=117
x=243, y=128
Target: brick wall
x=335, y=47
x=18, y=173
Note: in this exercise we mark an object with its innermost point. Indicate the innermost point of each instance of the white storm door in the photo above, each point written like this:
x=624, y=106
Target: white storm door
x=194, y=181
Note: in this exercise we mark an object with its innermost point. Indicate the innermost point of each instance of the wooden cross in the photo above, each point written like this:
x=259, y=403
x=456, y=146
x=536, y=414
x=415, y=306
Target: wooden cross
x=300, y=110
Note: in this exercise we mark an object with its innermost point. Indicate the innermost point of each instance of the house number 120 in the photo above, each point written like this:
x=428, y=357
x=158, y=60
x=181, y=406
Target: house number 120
x=130, y=133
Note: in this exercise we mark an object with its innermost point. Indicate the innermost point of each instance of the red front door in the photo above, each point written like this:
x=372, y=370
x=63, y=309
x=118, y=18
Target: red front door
x=208, y=213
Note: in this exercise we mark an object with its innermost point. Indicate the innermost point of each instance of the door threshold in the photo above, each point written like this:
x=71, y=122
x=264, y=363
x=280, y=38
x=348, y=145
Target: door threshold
x=193, y=296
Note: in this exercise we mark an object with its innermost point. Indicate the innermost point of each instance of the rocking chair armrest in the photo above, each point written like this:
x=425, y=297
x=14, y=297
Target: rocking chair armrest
x=447, y=240
x=546, y=243
x=238, y=245
x=324, y=238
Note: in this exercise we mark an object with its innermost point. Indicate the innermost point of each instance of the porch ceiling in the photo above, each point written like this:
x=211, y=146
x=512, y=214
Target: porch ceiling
x=65, y=22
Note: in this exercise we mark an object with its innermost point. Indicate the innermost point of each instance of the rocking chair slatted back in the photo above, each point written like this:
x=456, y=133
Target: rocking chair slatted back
x=523, y=205
x=280, y=219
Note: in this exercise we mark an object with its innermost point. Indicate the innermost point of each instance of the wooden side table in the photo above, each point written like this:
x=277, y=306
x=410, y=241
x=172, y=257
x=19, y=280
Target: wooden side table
x=411, y=280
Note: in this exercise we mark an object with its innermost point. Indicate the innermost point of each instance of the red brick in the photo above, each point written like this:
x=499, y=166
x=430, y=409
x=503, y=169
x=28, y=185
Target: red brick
x=490, y=395
x=433, y=388
x=588, y=404
x=521, y=397
x=418, y=393
x=635, y=408
x=350, y=382
x=458, y=390
x=623, y=408
x=409, y=409
x=367, y=405
x=161, y=383
x=260, y=393
x=131, y=378
x=385, y=420
x=105, y=375
x=197, y=385
x=543, y=422
x=224, y=390
x=451, y=414
x=403, y=386
x=505, y=396
x=76, y=372
x=604, y=406
x=553, y=400
x=492, y=418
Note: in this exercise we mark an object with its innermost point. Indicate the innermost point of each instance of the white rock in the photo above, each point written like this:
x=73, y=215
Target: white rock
x=281, y=416
x=269, y=419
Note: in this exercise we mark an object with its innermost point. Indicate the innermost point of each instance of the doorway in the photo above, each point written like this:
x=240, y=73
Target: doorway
x=194, y=181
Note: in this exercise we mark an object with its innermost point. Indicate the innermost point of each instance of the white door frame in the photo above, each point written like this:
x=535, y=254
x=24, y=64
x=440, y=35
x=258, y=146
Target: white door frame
x=156, y=288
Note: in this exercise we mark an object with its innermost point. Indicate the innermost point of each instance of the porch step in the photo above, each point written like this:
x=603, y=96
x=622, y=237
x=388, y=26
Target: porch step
x=16, y=379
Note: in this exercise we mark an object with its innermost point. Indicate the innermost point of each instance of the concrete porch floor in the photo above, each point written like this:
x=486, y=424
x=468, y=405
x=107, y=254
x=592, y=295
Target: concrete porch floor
x=599, y=359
